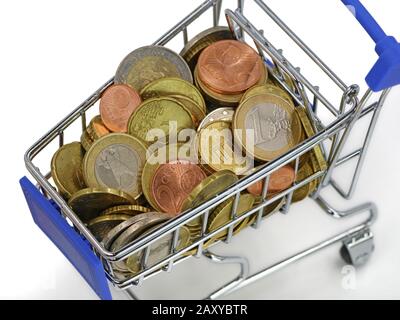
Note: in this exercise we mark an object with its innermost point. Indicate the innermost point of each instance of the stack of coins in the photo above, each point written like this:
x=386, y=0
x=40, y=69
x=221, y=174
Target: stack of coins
x=226, y=69
x=150, y=154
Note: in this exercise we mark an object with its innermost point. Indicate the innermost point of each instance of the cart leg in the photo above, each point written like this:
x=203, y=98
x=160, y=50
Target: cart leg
x=357, y=241
x=131, y=295
x=217, y=6
x=231, y=286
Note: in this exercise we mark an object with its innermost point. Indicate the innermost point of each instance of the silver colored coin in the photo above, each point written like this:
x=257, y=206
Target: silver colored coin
x=150, y=63
x=271, y=125
x=101, y=226
x=116, y=167
x=221, y=114
x=115, y=232
x=158, y=251
x=132, y=232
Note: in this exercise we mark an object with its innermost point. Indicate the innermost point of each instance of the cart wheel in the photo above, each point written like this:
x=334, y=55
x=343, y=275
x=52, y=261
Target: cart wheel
x=345, y=254
x=357, y=250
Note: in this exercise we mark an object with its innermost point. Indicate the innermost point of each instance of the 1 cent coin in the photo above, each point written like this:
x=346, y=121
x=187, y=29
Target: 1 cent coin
x=230, y=66
x=117, y=104
x=279, y=180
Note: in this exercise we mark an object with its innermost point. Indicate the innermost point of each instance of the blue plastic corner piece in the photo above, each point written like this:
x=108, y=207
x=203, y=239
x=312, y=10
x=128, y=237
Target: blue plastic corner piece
x=386, y=72
x=67, y=240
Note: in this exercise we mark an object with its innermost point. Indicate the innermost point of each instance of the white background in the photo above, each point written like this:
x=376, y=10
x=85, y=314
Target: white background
x=55, y=53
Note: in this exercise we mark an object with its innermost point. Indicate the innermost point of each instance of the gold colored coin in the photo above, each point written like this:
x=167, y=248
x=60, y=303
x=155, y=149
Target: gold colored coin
x=150, y=63
x=268, y=211
x=222, y=215
x=217, y=149
x=271, y=208
x=96, y=128
x=130, y=210
x=319, y=159
x=115, y=161
x=192, y=50
x=195, y=110
x=275, y=125
x=206, y=190
x=304, y=172
x=269, y=89
x=288, y=80
x=89, y=203
x=159, y=250
x=159, y=113
x=66, y=169
x=220, y=114
x=223, y=100
x=100, y=226
x=86, y=140
x=173, y=86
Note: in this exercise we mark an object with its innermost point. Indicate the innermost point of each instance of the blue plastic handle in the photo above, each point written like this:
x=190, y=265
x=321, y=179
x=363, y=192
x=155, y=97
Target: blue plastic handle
x=386, y=71
x=366, y=19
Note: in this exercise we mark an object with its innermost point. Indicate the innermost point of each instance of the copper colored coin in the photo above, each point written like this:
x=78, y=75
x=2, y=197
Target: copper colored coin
x=279, y=180
x=173, y=182
x=230, y=67
x=117, y=104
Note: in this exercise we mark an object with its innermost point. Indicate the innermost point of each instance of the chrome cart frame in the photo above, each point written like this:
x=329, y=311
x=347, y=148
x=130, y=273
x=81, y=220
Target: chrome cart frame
x=330, y=137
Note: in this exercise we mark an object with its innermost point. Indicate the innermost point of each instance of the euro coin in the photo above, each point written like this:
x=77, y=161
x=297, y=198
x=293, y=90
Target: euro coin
x=222, y=215
x=220, y=114
x=115, y=161
x=206, y=190
x=173, y=86
x=196, y=112
x=279, y=180
x=222, y=99
x=162, y=114
x=192, y=50
x=230, y=67
x=268, y=89
x=169, y=175
x=173, y=182
x=66, y=169
x=319, y=159
x=96, y=128
x=86, y=140
x=89, y=203
x=132, y=232
x=301, y=193
x=116, y=106
x=271, y=208
x=100, y=226
x=114, y=233
x=129, y=209
x=159, y=250
x=218, y=150
x=274, y=125
x=150, y=63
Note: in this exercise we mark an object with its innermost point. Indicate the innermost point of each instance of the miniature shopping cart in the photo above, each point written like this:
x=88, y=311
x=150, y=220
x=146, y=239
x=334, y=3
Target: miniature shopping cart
x=56, y=219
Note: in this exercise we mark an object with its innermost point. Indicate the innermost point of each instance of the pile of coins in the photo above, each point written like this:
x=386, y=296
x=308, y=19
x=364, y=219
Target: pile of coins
x=149, y=155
